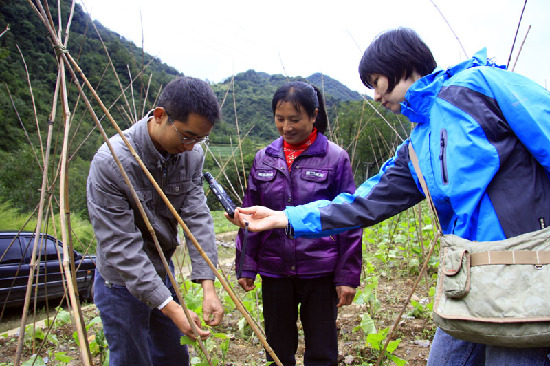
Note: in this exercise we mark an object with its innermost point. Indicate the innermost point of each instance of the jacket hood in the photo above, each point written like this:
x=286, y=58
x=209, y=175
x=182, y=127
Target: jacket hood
x=421, y=95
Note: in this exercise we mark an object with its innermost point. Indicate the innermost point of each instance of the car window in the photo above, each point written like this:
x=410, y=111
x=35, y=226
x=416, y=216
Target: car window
x=10, y=252
x=47, y=248
x=50, y=250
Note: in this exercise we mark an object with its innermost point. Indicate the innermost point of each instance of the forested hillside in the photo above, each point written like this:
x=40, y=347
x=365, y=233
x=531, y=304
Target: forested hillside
x=27, y=60
x=253, y=92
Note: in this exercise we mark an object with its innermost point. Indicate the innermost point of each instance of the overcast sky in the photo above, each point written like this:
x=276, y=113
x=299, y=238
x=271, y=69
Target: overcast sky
x=214, y=39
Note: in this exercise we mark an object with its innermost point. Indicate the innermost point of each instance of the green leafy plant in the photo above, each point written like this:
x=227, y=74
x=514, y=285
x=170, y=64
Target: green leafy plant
x=200, y=359
x=366, y=325
x=376, y=341
x=419, y=310
x=367, y=295
x=62, y=357
x=35, y=360
x=32, y=333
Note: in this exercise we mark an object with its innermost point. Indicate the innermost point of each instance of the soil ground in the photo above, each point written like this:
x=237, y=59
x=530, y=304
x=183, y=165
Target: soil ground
x=245, y=349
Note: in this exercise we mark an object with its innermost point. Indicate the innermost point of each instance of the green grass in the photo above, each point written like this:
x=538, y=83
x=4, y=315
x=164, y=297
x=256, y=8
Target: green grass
x=221, y=224
x=224, y=151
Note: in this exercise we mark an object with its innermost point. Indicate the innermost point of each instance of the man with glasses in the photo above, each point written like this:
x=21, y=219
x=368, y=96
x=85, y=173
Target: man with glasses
x=142, y=320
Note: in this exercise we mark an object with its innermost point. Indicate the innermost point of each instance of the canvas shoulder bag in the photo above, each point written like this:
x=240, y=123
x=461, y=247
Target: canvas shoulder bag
x=493, y=292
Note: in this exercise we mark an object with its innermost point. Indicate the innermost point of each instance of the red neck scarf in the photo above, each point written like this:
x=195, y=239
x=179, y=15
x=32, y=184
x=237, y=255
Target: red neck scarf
x=292, y=151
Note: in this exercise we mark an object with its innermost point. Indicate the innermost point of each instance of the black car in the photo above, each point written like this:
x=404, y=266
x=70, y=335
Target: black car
x=15, y=259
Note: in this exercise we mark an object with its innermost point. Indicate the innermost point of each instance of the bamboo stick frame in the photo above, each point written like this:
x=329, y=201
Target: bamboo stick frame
x=71, y=66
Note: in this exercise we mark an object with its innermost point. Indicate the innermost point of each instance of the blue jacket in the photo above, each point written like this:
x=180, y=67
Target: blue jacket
x=483, y=142
x=321, y=172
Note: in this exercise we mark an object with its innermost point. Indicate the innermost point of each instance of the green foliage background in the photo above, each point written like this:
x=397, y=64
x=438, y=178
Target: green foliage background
x=362, y=127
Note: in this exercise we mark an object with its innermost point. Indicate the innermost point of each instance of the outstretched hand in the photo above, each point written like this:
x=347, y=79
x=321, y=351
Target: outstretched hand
x=259, y=218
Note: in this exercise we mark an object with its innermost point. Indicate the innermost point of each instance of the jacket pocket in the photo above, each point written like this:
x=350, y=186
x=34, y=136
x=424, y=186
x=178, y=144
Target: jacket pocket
x=443, y=156
x=271, y=187
x=265, y=175
x=176, y=193
x=314, y=175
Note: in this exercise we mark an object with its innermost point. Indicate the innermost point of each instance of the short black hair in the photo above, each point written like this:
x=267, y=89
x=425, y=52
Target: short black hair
x=306, y=96
x=187, y=95
x=396, y=54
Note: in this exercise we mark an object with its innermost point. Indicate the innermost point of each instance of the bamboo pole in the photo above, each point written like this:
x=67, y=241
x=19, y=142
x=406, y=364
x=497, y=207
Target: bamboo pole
x=520, y=48
x=68, y=257
x=80, y=328
x=37, y=231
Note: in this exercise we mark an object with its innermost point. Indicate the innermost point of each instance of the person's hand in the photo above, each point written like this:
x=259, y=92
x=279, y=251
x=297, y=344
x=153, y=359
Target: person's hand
x=233, y=220
x=212, y=309
x=345, y=295
x=247, y=283
x=259, y=218
x=175, y=312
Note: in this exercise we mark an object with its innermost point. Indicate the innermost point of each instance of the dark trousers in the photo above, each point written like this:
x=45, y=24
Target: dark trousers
x=318, y=312
x=137, y=335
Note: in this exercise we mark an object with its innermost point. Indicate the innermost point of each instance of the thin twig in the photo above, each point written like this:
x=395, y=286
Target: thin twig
x=516, y=35
x=5, y=30
x=451, y=28
x=521, y=48
x=135, y=116
x=146, y=96
x=32, y=100
x=238, y=133
x=23, y=127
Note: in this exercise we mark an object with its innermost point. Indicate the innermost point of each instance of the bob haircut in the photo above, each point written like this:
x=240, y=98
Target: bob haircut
x=396, y=54
x=186, y=95
x=306, y=96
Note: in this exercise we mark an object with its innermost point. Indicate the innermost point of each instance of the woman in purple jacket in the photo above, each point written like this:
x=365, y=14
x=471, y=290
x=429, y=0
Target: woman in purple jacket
x=299, y=167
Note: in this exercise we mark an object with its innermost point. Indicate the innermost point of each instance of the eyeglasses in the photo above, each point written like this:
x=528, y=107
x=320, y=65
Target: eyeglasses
x=187, y=140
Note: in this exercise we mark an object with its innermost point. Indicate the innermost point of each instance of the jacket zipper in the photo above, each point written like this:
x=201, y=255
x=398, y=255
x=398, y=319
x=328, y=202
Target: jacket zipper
x=443, y=156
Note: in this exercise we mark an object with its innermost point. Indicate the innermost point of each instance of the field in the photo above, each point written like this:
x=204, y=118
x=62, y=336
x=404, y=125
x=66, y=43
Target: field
x=391, y=259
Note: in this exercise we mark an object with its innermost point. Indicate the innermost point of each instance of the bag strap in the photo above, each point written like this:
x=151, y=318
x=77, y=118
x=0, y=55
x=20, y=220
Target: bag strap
x=416, y=165
x=510, y=257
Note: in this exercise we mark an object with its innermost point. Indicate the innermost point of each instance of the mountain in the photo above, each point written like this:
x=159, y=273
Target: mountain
x=253, y=92
x=333, y=87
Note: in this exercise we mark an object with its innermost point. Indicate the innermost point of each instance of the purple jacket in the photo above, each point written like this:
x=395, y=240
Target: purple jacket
x=321, y=172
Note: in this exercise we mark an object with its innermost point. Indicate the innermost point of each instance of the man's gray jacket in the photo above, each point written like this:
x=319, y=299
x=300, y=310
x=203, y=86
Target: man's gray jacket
x=126, y=253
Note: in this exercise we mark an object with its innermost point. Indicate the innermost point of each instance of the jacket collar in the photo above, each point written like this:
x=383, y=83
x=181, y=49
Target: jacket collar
x=319, y=147
x=144, y=145
x=421, y=95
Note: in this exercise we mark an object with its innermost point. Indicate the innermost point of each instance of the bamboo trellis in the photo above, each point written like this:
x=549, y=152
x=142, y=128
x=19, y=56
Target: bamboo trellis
x=67, y=64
